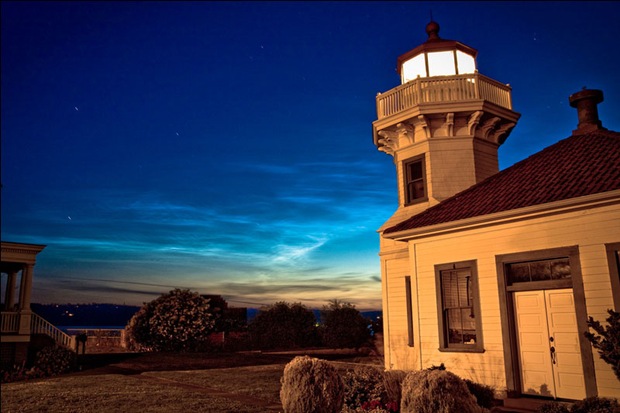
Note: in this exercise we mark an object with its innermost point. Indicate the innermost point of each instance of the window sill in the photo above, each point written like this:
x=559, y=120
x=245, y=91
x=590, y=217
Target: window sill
x=461, y=350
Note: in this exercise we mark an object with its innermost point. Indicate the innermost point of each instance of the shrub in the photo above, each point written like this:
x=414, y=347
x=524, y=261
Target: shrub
x=54, y=360
x=392, y=382
x=485, y=395
x=310, y=385
x=596, y=405
x=607, y=342
x=342, y=326
x=553, y=407
x=436, y=391
x=362, y=385
x=178, y=321
x=283, y=326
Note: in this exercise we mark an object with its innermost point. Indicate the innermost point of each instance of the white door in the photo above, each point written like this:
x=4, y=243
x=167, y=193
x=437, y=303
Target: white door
x=548, y=340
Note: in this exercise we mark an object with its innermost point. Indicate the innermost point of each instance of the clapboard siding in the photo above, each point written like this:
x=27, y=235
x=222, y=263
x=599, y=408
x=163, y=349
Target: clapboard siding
x=588, y=229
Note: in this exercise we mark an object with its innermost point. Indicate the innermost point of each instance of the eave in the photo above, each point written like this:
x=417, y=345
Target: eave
x=520, y=214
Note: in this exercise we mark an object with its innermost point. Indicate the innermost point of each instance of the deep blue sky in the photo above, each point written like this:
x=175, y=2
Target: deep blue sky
x=226, y=147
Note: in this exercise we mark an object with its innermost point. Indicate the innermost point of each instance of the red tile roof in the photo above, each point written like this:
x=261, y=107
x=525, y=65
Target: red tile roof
x=576, y=166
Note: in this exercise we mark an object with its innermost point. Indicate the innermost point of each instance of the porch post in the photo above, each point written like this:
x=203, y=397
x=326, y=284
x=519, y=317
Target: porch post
x=9, y=295
x=26, y=287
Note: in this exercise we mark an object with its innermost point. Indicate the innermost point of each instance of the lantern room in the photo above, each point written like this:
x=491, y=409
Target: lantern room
x=436, y=57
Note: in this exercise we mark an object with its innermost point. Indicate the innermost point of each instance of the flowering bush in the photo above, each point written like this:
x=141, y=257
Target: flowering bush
x=178, y=321
x=363, y=388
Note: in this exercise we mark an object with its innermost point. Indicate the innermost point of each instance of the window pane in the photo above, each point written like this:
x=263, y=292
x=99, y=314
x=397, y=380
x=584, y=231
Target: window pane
x=450, y=289
x=441, y=63
x=418, y=189
x=518, y=273
x=540, y=270
x=466, y=63
x=560, y=269
x=464, y=283
x=413, y=68
x=415, y=170
x=469, y=326
x=454, y=326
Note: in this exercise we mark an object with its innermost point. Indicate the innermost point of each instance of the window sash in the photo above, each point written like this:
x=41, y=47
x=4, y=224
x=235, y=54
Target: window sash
x=458, y=305
x=415, y=180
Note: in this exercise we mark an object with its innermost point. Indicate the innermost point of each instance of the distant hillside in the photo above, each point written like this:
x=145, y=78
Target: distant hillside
x=85, y=314
x=117, y=315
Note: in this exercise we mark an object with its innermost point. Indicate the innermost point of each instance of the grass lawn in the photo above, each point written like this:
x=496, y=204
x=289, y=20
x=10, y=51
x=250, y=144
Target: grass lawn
x=165, y=383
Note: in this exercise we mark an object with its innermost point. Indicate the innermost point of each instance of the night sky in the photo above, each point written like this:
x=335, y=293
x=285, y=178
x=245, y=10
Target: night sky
x=226, y=147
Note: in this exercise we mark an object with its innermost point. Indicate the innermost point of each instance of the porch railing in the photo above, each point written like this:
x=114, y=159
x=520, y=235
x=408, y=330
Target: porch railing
x=10, y=321
x=442, y=89
x=39, y=325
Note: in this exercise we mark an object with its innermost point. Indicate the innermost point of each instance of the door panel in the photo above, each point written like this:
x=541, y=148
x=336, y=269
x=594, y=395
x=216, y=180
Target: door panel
x=568, y=369
x=533, y=340
x=548, y=340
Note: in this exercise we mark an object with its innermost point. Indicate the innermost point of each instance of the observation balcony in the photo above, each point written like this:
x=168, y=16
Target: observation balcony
x=456, y=89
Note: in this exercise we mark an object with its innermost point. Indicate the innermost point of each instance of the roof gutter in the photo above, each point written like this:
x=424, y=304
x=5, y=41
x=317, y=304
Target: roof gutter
x=567, y=205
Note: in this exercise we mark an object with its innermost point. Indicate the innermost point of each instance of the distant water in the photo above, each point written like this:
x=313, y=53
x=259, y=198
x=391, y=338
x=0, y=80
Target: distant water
x=72, y=329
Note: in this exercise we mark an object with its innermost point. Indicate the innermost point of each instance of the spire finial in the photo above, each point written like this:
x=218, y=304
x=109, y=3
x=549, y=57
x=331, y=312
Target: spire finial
x=432, y=29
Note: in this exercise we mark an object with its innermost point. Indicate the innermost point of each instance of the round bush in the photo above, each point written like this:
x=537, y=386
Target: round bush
x=436, y=391
x=310, y=385
x=178, y=321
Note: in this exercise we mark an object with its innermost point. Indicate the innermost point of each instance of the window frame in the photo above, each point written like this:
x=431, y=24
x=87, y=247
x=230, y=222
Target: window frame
x=444, y=345
x=613, y=261
x=408, y=196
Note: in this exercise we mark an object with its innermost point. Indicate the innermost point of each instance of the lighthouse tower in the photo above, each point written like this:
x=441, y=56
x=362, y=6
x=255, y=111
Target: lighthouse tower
x=442, y=125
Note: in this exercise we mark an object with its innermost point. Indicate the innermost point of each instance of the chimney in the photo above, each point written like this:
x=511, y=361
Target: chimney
x=586, y=102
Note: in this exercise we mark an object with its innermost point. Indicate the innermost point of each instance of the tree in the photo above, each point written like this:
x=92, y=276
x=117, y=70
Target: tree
x=284, y=325
x=607, y=342
x=180, y=320
x=343, y=326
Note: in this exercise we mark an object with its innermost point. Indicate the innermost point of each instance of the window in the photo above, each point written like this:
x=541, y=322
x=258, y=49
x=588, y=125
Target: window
x=459, y=307
x=539, y=270
x=613, y=260
x=415, y=180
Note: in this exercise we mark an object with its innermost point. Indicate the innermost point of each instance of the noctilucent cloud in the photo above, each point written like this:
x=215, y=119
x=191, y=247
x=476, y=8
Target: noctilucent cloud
x=226, y=147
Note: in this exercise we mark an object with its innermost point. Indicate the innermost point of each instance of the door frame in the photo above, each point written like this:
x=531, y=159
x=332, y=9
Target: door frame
x=507, y=316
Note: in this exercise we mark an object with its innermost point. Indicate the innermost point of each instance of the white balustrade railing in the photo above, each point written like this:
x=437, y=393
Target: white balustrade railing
x=10, y=322
x=39, y=325
x=442, y=89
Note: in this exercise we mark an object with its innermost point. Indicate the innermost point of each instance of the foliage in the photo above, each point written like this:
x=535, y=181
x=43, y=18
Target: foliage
x=392, y=381
x=283, y=326
x=343, y=326
x=54, y=360
x=553, y=407
x=596, y=405
x=178, y=321
x=49, y=361
x=607, y=342
x=485, y=395
x=362, y=385
x=436, y=391
x=310, y=385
